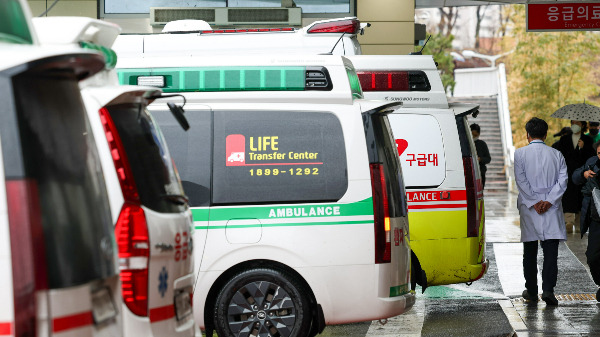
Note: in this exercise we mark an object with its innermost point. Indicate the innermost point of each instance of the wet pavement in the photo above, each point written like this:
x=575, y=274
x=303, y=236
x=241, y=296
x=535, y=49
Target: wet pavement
x=493, y=306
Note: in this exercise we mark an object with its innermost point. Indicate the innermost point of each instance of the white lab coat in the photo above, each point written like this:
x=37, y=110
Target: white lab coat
x=541, y=174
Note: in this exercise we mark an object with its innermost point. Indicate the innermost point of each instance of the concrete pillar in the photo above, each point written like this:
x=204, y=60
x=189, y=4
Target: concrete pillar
x=87, y=8
x=393, y=26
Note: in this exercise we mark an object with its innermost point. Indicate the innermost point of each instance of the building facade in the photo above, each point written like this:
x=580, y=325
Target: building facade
x=391, y=31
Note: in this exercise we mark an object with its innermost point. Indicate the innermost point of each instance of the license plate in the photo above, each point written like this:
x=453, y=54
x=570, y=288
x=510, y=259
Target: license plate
x=183, y=305
x=103, y=307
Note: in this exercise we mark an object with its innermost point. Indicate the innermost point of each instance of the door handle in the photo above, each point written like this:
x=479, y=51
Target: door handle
x=164, y=247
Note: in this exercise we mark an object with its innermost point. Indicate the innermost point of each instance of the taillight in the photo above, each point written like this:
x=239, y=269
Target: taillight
x=393, y=81
x=381, y=212
x=134, y=251
x=28, y=271
x=384, y=81
x=351, y=26
x=131, y=230
x=472, y=195
x=119, y=157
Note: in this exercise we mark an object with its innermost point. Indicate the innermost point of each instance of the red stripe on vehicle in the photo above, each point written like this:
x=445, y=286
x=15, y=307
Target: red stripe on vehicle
x=437, y=206
x=6, y=329
x=436, y=196
x=162, y=313
x=483, y=270
x=72, y=321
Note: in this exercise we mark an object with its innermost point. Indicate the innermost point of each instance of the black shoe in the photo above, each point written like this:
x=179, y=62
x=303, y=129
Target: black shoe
x=549, y=298
x=598, y=295
x=528, y=297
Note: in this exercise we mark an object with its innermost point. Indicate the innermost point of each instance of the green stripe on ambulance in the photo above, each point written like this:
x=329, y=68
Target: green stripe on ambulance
x=363, y=207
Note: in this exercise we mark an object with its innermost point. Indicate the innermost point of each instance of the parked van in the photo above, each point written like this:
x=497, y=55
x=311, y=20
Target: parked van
x=413, y=80
x=151, y=217
x=333, y=36
x=439, y=162
x=311, y=220
x=58, y=261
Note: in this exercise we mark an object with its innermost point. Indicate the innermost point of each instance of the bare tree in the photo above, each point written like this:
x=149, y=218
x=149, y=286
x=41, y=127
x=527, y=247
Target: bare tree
x=505, y=19
x=480, y=12
x=448, y=20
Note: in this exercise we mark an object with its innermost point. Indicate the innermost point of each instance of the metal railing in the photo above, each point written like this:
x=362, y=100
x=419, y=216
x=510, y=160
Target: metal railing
x=508, y=149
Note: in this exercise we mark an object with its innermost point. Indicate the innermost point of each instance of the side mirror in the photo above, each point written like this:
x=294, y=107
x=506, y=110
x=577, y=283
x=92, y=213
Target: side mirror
x=178, y=113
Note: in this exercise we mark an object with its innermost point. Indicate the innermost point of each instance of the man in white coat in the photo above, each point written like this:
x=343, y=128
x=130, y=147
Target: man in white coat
x=541, y=176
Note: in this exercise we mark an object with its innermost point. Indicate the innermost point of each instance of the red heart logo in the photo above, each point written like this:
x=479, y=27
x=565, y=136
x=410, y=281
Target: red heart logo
x=402, y=145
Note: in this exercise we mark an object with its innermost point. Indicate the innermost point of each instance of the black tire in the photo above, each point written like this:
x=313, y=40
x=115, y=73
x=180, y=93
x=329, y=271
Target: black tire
x=262, y=302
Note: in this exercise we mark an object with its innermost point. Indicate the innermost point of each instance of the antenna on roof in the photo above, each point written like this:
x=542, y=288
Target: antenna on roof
x=420, y=52
x=338, y=41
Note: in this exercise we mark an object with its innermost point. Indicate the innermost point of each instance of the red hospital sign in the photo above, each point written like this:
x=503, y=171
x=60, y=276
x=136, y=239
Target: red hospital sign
x=563, y=16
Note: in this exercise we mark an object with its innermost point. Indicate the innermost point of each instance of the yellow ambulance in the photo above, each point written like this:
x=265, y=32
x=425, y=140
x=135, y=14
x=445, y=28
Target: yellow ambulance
x=439, y=162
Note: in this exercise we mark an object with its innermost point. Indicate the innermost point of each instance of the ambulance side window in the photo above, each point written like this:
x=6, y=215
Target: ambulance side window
x=191, y=150
x=148, y=157
x=56, y=153
x=421, y=148
x=278, y=156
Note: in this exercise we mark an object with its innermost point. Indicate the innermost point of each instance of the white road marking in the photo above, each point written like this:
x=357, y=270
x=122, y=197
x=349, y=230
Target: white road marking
x=482, y=293
x=509, y=259
x=408, y=324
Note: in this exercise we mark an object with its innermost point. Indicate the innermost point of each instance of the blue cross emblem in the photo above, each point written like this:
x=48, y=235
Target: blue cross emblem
x=162, y=281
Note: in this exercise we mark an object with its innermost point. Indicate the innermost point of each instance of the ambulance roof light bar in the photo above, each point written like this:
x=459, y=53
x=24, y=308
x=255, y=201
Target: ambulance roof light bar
x=15, y=28
x=345, y=25
x=212, y=79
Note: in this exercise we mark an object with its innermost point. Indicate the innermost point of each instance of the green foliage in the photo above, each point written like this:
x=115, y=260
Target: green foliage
x=440, y=47
x=547, y=71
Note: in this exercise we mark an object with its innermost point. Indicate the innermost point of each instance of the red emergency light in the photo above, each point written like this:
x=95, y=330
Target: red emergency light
x=351, y=26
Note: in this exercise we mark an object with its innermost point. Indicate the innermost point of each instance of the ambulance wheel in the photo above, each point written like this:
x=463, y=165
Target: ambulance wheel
x=262, y=302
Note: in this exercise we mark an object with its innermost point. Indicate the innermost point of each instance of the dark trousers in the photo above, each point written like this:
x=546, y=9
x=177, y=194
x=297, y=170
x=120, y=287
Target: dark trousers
x=550, y=270
x=482, y=170
x=593, y=251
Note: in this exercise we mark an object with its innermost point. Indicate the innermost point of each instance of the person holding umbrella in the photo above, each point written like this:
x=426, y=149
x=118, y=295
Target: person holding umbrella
x=588, y=176
x=576, y=148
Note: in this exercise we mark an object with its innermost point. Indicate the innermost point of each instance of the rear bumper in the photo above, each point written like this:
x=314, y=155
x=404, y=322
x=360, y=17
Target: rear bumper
x=358, y=293
x=482, y=268
x=369, y=310
x=448, y=261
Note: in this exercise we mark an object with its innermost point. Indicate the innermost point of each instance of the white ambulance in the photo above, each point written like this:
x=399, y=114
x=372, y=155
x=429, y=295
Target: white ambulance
x=333, y=36
x=58, y=258
x=434, y=163
x=153, y=224
x=439, y=161
x=306, y=225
